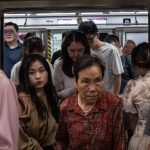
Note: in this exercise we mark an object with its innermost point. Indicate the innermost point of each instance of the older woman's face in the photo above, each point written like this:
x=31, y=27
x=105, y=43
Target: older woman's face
x=75, y=50
x=90, y=83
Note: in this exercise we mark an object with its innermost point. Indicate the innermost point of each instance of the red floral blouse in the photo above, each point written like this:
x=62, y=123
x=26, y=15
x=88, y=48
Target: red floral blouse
x=101, y=129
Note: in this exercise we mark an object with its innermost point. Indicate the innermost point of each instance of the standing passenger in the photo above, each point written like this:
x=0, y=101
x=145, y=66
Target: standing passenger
x=137, y=98
x=32, y=45
x=107, y=53
x=129, y=71
x=128, y=47
x=13, y=49
x=9, y=122
x=92, y=119
x=74, y=46
x=38, y=110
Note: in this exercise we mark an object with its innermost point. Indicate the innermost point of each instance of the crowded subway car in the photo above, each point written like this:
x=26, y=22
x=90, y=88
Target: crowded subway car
x=74, y=75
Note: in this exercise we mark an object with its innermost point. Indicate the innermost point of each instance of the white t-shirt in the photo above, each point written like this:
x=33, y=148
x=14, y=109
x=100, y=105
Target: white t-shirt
x=110, y=58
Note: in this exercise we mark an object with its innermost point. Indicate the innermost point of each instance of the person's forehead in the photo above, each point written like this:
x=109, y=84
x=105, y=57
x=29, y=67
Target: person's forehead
x=90, y=34
x=91, y=70
x=9, y=27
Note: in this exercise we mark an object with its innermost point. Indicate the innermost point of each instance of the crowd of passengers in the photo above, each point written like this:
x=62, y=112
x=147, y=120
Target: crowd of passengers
x=94, y=95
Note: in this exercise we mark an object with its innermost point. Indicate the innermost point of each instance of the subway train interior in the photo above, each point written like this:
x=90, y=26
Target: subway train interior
x=49, y=19
x=99, y=110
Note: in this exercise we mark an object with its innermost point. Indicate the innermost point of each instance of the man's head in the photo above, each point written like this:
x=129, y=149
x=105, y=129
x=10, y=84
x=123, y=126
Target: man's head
x=10, y=32
x=128, y=47
x=90, y=29
x=113, y=39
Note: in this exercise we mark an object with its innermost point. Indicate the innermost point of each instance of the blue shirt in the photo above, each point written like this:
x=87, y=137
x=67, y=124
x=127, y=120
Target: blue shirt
x=129, y=71
x=11, y=57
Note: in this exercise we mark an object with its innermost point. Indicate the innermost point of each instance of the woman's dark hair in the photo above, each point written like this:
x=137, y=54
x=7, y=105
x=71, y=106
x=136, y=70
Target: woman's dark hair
x=34, y=44
x=49, y=89
x=140, y=55
x=29, y=35
x=85, y=62
x=75, y=36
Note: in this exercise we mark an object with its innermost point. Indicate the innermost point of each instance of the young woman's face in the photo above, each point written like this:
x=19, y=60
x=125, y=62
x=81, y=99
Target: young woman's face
x=75, y=50
x=90, y=83
x=38, y=75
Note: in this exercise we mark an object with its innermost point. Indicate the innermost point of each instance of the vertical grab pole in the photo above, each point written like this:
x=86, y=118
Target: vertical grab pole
x=49, y=46
x=1, y=41
x=149, y=26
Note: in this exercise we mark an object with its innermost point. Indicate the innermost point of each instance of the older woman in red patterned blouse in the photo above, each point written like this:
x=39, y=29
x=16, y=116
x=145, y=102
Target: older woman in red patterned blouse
x=92, y=119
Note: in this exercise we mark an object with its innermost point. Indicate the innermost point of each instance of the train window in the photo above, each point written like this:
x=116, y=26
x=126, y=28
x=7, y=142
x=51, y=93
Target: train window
x=137, y=37
x=57, y=40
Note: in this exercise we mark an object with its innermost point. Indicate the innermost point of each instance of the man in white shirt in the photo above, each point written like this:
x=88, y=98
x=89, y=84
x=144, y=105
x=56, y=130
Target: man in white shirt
x=108, y=54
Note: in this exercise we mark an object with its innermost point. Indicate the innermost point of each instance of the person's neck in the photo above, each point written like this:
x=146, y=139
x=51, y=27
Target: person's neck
x=12, y=44
x=98, y=46
x=40, y=92
x=86, y=107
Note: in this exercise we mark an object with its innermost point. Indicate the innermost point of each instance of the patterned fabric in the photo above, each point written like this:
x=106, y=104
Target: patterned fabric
x=101, y=129
x=137, y=101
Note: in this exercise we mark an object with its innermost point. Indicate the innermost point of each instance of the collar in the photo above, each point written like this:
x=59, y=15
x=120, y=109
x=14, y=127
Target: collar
x=18, y=46
x=100, y=106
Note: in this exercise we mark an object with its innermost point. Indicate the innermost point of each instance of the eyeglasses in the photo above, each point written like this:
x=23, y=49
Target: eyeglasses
x=10, y=31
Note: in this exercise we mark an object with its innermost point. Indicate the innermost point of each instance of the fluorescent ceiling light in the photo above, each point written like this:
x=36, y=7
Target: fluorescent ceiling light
x=54, y=14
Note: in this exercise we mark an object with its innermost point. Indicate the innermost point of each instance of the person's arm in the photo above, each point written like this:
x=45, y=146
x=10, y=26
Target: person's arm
x=119, y=141
x=15, y=73
x=117, y=69
x=58, y=82
x=117, y=83
x=9, y=120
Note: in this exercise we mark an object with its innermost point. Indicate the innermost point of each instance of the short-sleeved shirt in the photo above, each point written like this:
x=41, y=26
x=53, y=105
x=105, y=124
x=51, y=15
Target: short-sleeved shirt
x=110, y=58
x=136, y=99
x=11, y=57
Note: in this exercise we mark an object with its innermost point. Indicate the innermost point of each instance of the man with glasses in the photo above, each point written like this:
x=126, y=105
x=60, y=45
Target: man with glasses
x=13, y=49
x=108, y=54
